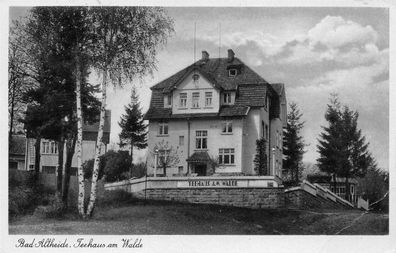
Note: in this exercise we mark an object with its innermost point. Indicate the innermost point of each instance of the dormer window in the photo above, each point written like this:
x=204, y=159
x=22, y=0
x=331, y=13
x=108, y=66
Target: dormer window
x=232, y=72
x=168, y=101
x=227, y=98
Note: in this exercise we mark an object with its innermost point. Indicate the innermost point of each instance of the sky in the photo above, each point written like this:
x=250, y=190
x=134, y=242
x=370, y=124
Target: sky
x=313, y=51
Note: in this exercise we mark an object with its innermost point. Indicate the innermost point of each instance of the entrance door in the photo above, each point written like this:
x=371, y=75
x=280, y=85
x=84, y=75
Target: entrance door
x=200, y=169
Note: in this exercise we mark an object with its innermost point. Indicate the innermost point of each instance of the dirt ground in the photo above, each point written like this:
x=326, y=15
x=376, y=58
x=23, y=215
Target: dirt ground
x=172, y=218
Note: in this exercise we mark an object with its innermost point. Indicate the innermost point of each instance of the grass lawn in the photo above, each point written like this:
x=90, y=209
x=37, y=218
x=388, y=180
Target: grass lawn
x=136, y=217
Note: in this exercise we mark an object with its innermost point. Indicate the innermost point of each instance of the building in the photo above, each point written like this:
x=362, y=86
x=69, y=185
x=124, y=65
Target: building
x=327, y=181
x=16, y=153
x=49, y=148
x=216, y=109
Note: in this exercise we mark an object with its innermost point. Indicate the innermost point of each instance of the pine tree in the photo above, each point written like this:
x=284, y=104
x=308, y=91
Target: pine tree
x=260, y=160
x=133, y=129
x=342, y=148
x=293, y=146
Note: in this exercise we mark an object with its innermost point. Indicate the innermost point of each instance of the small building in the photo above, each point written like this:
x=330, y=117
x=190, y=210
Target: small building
x=327, y=181
x=49, y=148
x=16, y=153
x=216, y=109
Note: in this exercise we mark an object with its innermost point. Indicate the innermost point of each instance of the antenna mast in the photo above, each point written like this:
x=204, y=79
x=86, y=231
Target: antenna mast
x=219, y=39
x=195, y=33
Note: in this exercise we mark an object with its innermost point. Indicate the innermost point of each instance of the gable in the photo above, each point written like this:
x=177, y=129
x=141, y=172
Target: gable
x=187, y=83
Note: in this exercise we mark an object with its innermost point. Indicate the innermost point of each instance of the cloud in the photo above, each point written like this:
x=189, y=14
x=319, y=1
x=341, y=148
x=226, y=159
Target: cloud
x=335, y=32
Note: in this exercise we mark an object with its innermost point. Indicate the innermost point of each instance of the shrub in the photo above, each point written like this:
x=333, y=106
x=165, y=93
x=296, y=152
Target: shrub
x=20, y=200
x=114, y=166
x=139, y=170
x=54, y=209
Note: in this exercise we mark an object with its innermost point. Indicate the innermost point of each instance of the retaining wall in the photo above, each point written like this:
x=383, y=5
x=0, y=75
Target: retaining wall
x=240, y=197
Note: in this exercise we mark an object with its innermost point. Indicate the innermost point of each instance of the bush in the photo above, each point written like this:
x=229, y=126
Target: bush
x=54, y=209
x=139, y=170
x=20, y=200
x=114, y=166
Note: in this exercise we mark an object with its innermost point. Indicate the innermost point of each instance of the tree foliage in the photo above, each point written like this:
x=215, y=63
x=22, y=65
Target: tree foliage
x=113, y=166
x=293, y=146
x=133, y=129
x=168, y=156
x=342, y=148
x=374, y=186
x=261, y=159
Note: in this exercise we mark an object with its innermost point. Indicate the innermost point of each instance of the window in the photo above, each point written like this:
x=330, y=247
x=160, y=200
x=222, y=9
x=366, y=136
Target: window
x=208, y=98
x=226, y=156
x=227, y=127
x=183, y=100
x=195, y=100
x=195, y=77
x=169, y=99
x=163, y=128
x=49, y=147
x=227, y=98
x=270, y=184
x=180, y=170
x=232, y=72
x=181, y=140
x=201, y=139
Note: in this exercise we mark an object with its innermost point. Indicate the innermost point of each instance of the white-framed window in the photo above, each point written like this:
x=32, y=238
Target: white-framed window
x=170, y=100
x=163, y=128
x=208, y=98
x=232, y=72
x=226, y=127
x=183, y=100
x=201, y=139
x=49, y=147
x=226, y=156
x=181, y=140
x=195, y=100
x=180, y=170
x=227, y=98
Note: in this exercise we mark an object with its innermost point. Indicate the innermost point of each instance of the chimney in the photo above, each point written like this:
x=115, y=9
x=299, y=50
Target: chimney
x=205, y=55
x=230, y=55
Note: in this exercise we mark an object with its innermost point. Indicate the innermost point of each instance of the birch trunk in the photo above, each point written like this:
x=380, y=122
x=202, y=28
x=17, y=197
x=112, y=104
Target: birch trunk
x=95, y=173
x=60, y=165
x=81, y=186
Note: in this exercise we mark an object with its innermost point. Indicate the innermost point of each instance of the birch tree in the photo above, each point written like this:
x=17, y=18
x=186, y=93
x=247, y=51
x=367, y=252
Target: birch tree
x=125, y=46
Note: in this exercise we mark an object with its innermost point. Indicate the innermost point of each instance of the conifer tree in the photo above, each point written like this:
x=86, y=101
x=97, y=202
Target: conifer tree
x=293, y=146
x=133, y=129
x=342, y=148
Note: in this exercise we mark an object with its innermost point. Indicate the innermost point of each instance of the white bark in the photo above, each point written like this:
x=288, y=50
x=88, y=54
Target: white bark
x=99, y=141
x=81, y=186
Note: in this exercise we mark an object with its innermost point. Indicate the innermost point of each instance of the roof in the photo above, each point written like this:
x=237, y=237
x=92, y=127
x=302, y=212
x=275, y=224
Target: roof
x=18, y=145
x=251, y=94
x=216, y=71
x=201, y=156
x=251, y=89
x=225, y=111
x=95, y=126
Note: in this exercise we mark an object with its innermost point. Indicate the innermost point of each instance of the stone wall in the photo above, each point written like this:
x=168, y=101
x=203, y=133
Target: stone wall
x=240, y=197
x=300, y=199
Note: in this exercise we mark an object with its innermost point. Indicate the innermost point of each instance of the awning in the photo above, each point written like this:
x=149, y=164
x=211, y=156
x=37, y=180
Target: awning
x=199, y=157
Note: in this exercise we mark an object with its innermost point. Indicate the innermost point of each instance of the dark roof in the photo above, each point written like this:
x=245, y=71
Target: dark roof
x=95, y=126
x=18, y=145
x=225, y=111
x=201, y=156
x=233, y=110
x=214, y=69
x=251, y=95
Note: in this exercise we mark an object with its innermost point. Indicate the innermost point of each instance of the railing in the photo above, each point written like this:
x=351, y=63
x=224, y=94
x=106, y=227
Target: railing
x=318, y=190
